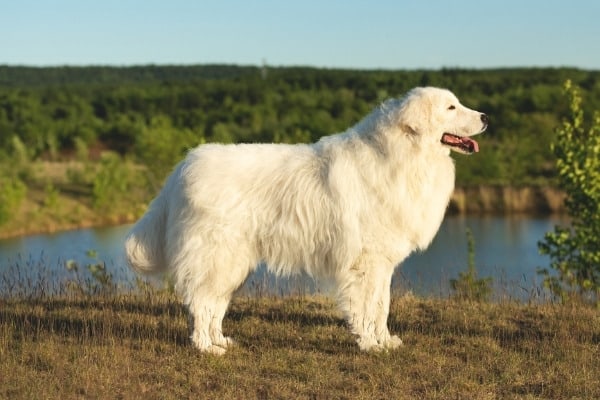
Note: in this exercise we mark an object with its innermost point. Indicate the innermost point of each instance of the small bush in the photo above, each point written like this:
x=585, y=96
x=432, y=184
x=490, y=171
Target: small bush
x=111, y=181
x=81, y=149
x=12, y=193
x=101, y=280
x=575, y=250
x=161, y=146
x=51, y=196
x=468, y=286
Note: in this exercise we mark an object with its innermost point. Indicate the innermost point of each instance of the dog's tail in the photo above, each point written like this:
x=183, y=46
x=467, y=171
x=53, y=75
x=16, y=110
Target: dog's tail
x=144, y=245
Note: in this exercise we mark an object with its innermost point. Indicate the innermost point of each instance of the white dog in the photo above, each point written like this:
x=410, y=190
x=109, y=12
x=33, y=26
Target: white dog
x=348, y=208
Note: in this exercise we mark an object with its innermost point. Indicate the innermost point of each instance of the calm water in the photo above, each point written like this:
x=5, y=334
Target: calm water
x=505, y=249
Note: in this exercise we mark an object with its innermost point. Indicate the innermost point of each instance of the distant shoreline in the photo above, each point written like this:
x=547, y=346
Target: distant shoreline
x=471, y=200
x=67, y=226
x=506, y=200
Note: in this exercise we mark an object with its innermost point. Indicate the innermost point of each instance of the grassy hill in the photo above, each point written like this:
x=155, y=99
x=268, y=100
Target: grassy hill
x=132, y=346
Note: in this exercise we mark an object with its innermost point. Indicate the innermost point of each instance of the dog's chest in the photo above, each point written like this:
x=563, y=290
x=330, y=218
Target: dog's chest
x=422, y=199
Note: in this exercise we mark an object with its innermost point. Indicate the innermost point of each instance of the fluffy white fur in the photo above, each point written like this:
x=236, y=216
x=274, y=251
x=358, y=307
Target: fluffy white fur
x=348, y=208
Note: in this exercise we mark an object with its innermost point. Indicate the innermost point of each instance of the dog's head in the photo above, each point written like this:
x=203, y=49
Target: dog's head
x=436, y=117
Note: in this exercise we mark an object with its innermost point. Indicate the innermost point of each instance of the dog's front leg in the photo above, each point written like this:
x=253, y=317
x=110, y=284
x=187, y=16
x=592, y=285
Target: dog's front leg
x=382, y=333
x=364, y=297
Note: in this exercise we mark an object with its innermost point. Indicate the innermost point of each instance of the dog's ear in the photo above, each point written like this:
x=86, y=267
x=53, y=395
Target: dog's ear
x=410, y=129
x=413, y=115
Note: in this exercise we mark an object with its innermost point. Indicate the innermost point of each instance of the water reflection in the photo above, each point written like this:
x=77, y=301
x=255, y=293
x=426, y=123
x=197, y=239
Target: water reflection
x=505, y=249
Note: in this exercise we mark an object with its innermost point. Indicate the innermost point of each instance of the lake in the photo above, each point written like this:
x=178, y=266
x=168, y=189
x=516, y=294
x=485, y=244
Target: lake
x=505, y=249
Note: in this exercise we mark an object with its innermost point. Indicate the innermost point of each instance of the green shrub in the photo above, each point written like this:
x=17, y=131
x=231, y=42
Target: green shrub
x=51, y=196
x=161, y=146
x=81, y=149
x=101, y=282
x=12, y=193
x=111, y=181
x=468, y=286
x=575, y=251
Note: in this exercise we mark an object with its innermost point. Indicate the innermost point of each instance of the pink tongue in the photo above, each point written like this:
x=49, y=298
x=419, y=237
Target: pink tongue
x=473, y=143
x=469, y=143
x=462, y=141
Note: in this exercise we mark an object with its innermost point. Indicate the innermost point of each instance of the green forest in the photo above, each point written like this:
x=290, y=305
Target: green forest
x=119, y=130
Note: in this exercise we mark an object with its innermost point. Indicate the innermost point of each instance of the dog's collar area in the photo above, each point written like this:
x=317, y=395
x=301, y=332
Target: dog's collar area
x=461, y=144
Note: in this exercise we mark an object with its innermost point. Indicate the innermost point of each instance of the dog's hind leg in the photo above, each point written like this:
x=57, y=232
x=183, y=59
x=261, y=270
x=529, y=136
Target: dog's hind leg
x=203, y=312
x=207, y=317
x=210, y=297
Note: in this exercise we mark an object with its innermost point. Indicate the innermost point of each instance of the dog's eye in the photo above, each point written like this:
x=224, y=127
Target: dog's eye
x=451, y=108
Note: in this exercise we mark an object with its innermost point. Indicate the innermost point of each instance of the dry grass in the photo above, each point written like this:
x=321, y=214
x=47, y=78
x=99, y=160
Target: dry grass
x=136, y=346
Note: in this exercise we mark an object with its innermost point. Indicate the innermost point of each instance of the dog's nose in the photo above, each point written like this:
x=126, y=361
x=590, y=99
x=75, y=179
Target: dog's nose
x=485, y=119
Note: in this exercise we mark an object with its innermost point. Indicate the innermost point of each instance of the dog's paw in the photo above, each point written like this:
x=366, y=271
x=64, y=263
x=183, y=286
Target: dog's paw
x=225, y=342
x=393, y=342
x=368, y=343
x=205, y=345
x=215, y=350
x=372, y=345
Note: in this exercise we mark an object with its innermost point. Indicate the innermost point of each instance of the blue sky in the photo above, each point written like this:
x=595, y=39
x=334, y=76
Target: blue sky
x=351, y=34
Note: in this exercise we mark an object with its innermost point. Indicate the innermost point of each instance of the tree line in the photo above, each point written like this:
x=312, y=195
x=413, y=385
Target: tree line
x=152, y=114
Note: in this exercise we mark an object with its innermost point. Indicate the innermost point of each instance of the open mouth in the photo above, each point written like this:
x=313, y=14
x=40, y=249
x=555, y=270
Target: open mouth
x=461, y=144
